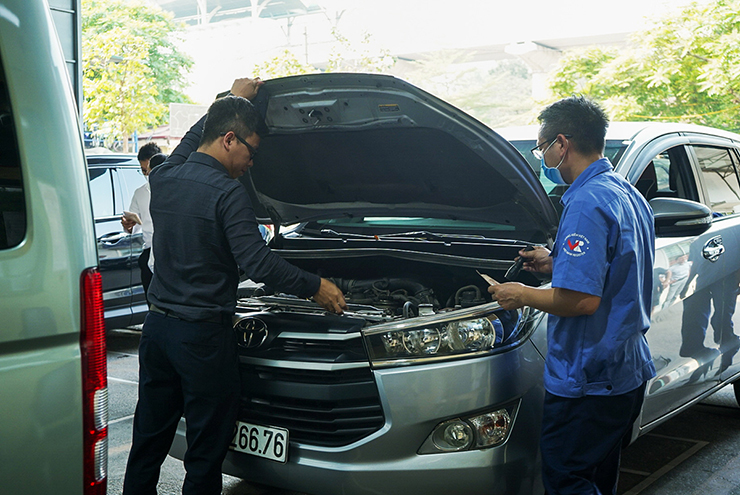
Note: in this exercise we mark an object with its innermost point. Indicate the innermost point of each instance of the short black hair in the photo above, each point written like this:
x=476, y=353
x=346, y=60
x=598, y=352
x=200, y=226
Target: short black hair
x=578, y=117
x=231, y=113
x=147, y=151
x=157, y=159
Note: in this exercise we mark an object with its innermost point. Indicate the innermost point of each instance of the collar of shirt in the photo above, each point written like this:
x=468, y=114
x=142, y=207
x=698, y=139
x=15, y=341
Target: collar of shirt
x=206, y=159
x=598, y=167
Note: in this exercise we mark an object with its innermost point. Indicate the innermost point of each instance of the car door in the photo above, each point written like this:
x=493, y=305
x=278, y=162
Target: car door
x=717, y=163
x=114, y=245
x=688, y=274
x=130, y=179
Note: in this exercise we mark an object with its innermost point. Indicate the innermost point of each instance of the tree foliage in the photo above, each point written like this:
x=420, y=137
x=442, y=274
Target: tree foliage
x=282, y=65
x=345, y=56
x=131, y=67
x=685, y=68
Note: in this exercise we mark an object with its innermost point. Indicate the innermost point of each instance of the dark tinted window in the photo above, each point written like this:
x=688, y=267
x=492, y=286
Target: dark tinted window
x=613, y=150
x=668, y=175
x=12, y=201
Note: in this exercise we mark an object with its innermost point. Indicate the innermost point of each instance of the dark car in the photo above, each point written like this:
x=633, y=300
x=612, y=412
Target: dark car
x=425, y=385
x=113, y=180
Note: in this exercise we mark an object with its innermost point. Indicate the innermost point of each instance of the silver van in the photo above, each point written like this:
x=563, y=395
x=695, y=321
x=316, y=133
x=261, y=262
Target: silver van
x=53, y=383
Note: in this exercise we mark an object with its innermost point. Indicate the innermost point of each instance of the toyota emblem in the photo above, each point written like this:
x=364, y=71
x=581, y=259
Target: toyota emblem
x=251, y=332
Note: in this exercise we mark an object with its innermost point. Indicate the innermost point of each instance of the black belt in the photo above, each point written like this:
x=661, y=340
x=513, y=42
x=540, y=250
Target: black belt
x=168, y=314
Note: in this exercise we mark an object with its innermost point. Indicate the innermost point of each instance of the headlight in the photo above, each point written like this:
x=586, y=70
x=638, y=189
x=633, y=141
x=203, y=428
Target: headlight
x=446, y=335
x=459, y=336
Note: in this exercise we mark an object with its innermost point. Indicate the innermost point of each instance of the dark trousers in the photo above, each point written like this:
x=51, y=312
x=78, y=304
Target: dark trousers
x=582, y=440
x=189, y=368
x=146, y=273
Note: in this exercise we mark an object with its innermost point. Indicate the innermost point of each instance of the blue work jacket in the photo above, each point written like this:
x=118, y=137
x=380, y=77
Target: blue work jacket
x=605, y=247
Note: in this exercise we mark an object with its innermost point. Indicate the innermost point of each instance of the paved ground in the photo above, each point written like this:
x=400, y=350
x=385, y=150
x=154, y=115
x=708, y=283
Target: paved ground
x=695, y=453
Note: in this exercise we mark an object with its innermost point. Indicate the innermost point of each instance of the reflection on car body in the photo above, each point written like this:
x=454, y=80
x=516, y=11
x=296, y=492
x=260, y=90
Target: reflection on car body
x=425, y=385
x=692, y=334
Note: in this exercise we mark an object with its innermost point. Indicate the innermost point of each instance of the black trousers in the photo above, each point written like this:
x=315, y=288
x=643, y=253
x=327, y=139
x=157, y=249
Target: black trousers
x=582, y=440
x=184, y=368
x=146, y=273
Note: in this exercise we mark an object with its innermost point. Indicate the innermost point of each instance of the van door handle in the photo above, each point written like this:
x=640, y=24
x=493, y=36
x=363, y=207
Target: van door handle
x=713, y=249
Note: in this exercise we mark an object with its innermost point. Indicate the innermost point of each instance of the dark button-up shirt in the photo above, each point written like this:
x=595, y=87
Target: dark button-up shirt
x=205, y=232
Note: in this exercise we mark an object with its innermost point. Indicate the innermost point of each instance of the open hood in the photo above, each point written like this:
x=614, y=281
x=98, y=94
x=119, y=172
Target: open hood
x=348, y=145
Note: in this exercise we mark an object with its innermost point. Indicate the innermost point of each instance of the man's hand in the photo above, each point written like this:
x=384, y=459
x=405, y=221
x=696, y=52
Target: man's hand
x=330, y=297
x=537, y=260
x=128, y=225
x=246, y=87
x=508, y=295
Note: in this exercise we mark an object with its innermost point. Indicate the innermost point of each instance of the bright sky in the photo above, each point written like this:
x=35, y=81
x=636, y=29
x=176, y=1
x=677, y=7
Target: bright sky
x=460, y=23
x=225, y=50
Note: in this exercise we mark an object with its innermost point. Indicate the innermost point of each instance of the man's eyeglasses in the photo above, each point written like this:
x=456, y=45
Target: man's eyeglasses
x=252, y=151
x=538, y=153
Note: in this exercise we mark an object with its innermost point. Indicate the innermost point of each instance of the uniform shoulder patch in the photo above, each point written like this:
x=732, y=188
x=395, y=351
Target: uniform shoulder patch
x=575, y=245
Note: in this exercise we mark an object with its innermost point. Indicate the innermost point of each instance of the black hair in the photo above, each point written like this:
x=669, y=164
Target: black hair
x=231, y=113
x=582, y=120
x=147, y=151
x=157, y=159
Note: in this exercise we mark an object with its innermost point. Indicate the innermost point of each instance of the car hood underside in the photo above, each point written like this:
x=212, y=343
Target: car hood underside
x=351, y=145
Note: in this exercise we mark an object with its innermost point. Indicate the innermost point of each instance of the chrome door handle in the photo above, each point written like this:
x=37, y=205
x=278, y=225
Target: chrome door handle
x=713, y=248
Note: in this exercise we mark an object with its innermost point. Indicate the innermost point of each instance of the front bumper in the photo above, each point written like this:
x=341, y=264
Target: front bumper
x=415, y=399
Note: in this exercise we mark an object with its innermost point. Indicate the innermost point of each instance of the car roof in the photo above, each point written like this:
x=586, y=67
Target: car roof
x=109, y=159
x=622, y=131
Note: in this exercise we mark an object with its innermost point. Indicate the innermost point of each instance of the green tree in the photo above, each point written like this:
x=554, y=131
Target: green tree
x=131, y=67
x=345, y=56
x=684, y=68
x=285, y=64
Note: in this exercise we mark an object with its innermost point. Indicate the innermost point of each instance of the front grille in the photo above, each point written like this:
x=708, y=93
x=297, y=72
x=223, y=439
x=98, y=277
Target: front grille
x=325, y=408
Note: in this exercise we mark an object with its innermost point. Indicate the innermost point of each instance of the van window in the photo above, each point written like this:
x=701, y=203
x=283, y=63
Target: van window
x=12, y=200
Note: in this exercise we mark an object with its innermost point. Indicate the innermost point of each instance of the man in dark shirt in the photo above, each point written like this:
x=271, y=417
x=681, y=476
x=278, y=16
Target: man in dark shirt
x=205, y=233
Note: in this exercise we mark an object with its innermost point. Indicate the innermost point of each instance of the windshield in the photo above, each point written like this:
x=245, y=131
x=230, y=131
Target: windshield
x=613, y=151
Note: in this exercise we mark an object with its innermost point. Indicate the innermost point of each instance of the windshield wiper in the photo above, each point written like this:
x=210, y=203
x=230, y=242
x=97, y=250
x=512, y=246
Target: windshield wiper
x=422, y=235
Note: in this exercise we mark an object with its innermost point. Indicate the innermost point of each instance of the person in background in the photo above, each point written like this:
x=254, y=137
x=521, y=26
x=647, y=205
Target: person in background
x=598, y=360
x=140, y=206
x=205, y=234
x=146, y=152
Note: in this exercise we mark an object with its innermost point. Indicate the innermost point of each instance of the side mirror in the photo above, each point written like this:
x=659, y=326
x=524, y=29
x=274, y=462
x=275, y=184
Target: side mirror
x=675, y=217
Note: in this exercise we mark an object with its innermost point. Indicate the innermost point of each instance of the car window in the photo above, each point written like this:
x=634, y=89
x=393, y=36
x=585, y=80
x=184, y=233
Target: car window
x=720, y=179
x=131, y=179
x=613, y=150
x=12, y=201
x=668, y=175
x=101, y=190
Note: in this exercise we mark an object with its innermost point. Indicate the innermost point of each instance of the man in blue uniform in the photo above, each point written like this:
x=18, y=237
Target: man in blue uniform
x=598, y=360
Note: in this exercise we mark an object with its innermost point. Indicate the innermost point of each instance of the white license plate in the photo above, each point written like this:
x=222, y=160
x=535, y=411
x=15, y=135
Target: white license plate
x=262, y=441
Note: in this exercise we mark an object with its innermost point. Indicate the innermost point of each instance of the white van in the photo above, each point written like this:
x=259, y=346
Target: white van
x=53, y=383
